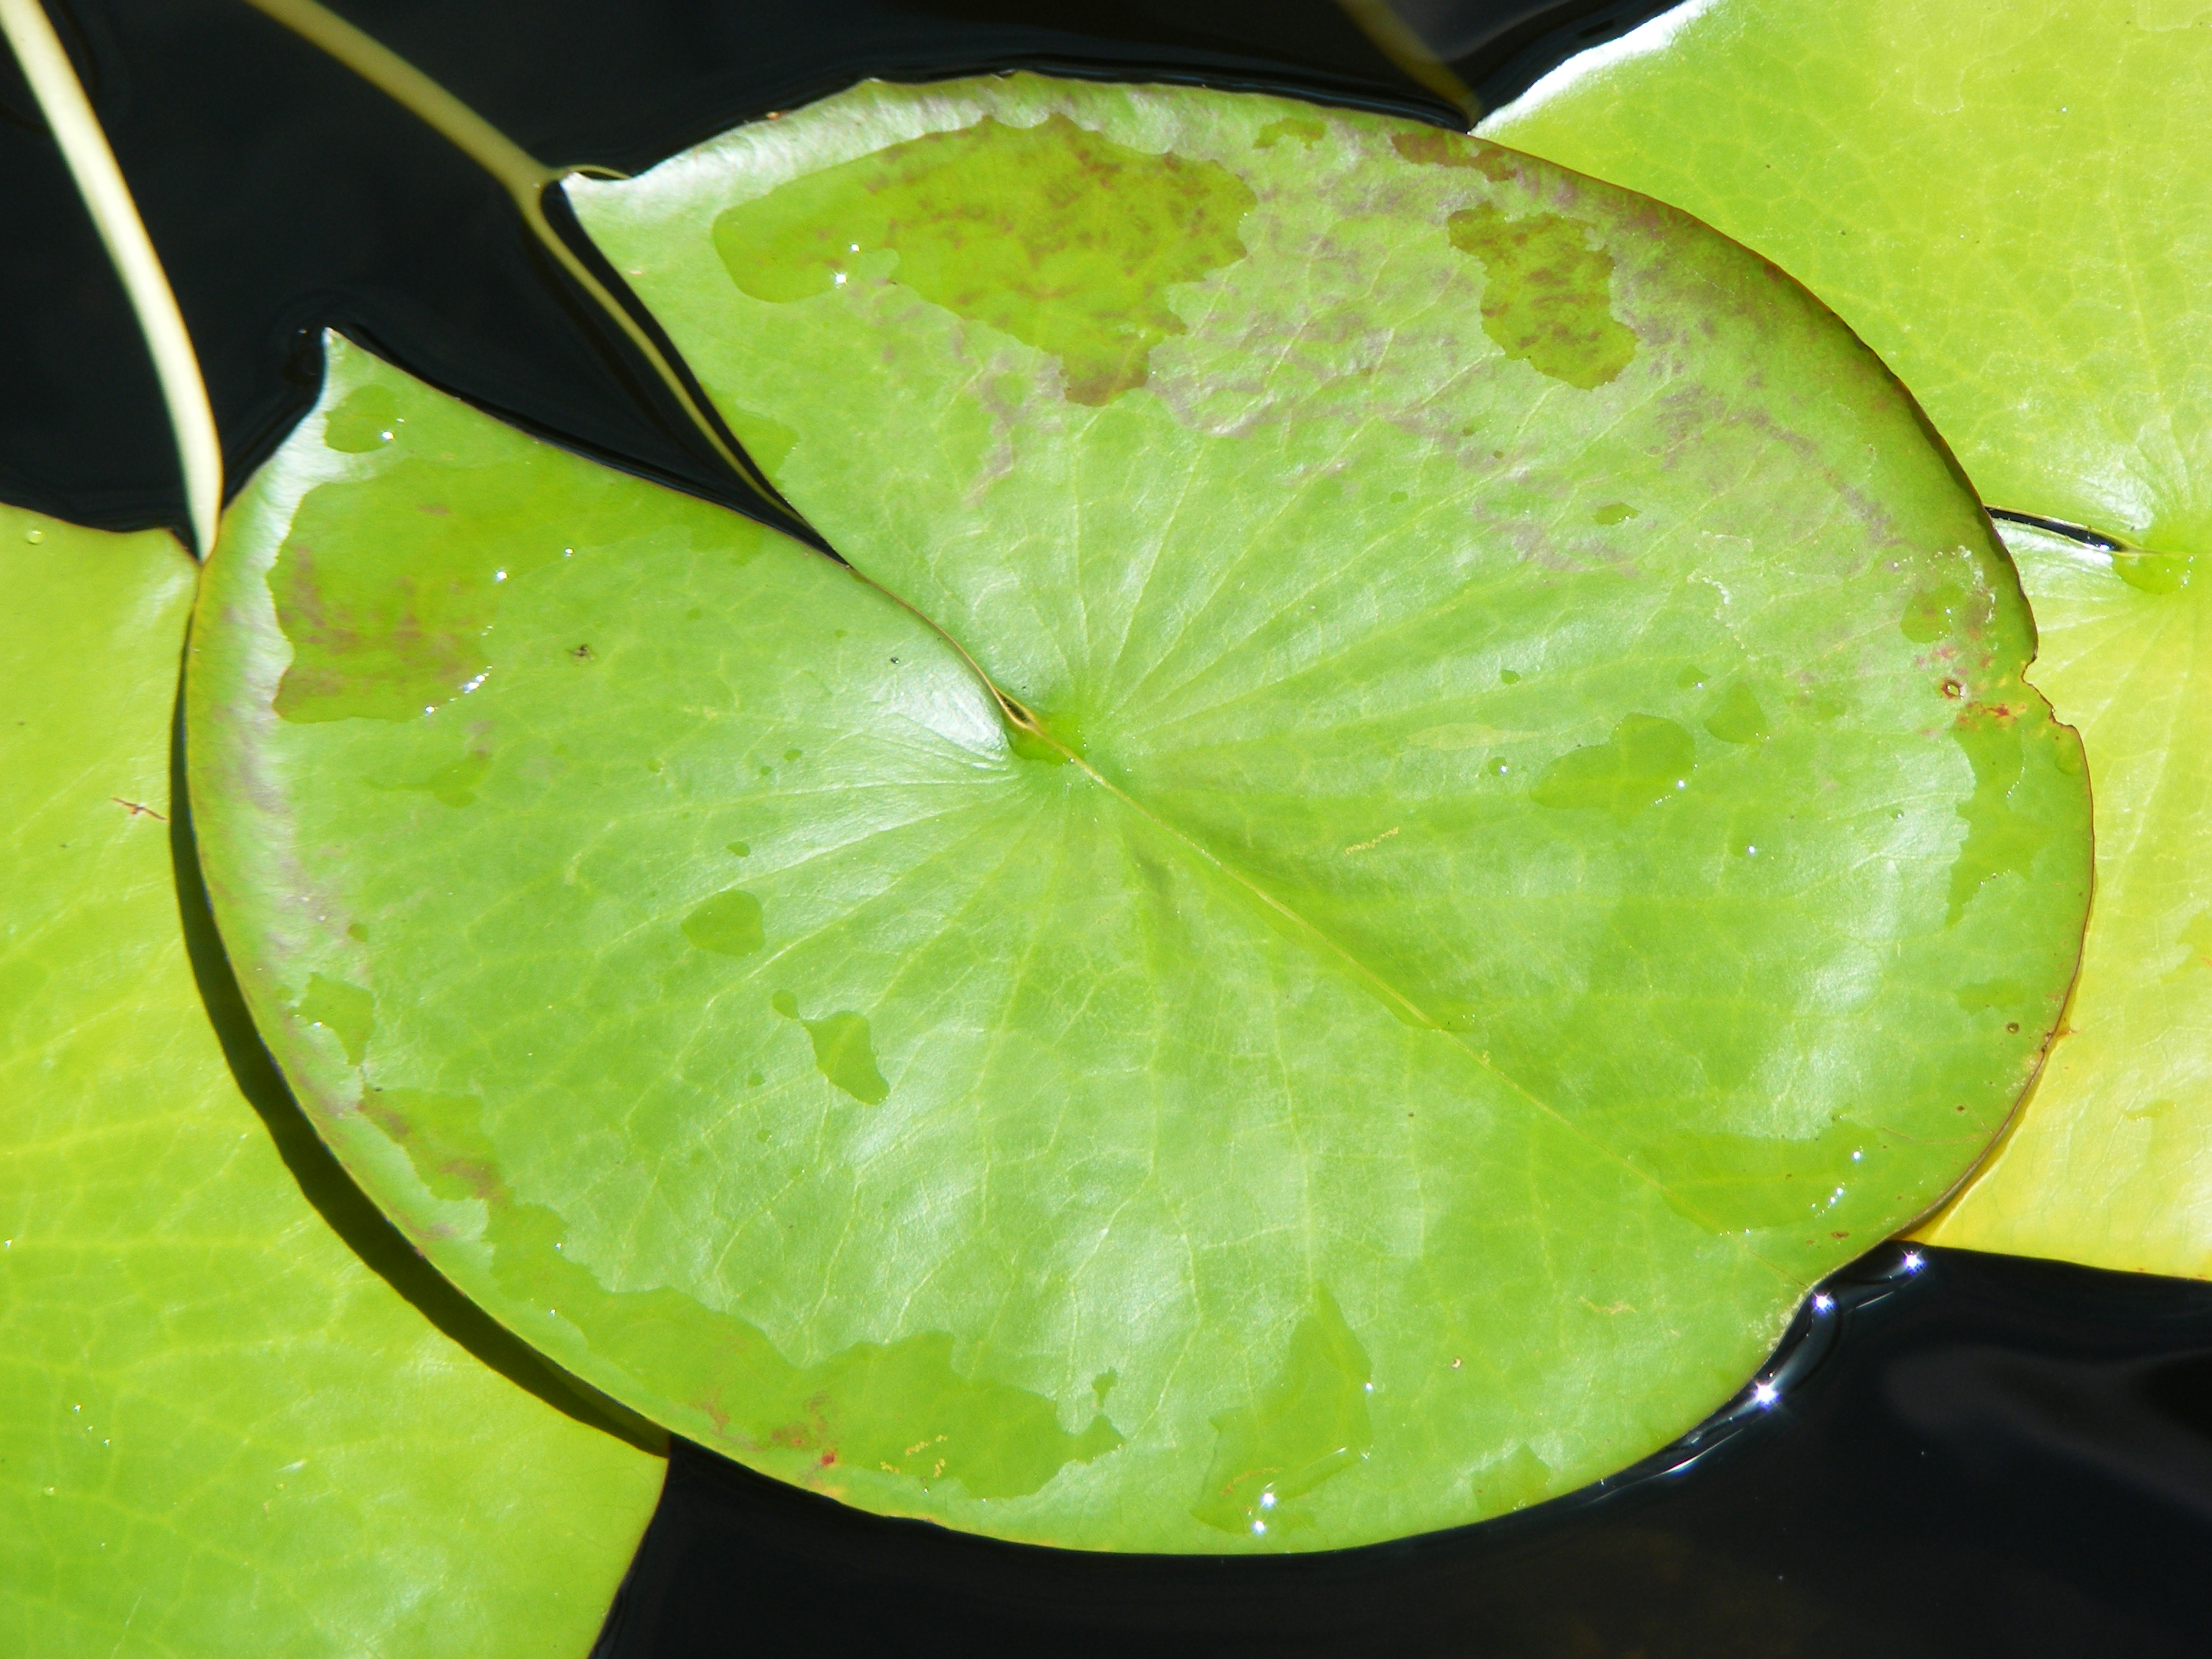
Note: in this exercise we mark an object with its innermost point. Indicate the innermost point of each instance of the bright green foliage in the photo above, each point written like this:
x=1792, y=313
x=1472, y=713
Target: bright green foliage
x=1370, y=1056
x=2112, y=1160
x=2013, y=203
x=221, y=1432
x=2008, y=199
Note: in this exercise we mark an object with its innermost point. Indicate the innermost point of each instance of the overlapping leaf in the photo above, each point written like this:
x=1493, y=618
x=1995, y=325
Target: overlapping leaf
x=221, y=1431
x=2012, y=202
x=1514, y=841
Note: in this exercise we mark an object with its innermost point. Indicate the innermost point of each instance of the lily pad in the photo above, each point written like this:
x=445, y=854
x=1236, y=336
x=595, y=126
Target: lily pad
x=2008, y=199
x=2011, y=202
x=2111, y=1162
x=221, y=1431
x=1380, y=1016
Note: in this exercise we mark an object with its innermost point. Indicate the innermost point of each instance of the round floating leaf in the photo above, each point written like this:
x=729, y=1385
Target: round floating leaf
x=1461, y=923
x=2011, y=202
x=222, y=1432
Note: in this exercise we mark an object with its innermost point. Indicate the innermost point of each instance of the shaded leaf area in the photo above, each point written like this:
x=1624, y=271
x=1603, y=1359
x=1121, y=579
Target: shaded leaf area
x=223, y=1427
x=1310, y=1423
x=1267, y=1113
x=1916, y=164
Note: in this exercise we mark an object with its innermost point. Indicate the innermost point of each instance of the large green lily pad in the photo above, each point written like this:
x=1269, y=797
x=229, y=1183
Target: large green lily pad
x=1517, y=843
x=2013, y=203
x=221, y=1431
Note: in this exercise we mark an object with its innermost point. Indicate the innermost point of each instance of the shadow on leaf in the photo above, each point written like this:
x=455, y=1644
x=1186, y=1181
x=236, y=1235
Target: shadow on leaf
x=324, y=1182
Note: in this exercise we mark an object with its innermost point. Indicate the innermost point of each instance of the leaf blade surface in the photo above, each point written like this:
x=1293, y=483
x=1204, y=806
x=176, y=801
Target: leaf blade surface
x=221, y=1431
x=1922, y=167
x=1255, y=1109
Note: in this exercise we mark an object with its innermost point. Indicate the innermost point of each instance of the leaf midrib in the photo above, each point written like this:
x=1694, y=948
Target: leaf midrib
x=1018, y=718
x=1326, y=945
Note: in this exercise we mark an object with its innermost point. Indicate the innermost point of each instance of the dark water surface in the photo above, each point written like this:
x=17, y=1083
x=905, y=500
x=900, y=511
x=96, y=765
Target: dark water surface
x=286, y=195
x=1979, y=1455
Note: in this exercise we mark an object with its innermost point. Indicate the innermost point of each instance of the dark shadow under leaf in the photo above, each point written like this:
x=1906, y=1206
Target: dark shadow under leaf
x=326, y=1185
